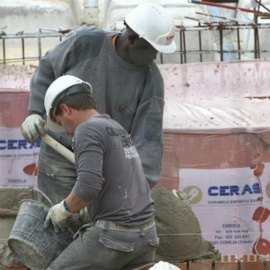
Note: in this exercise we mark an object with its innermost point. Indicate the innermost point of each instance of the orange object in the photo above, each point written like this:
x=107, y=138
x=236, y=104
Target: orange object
x=30, y=169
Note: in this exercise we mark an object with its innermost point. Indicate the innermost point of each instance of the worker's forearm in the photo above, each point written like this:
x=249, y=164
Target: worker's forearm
x=74, y=203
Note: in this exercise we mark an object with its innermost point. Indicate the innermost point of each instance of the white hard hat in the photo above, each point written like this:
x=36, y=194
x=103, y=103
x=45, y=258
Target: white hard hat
x=164, y=266
x=55, y=89
x=153, y=23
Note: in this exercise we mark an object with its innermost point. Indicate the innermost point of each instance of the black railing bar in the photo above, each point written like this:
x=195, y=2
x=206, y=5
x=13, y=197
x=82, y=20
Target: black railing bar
x=221, y=43
x=219, y=51
x=210, y=26
x=23, y=51
x=186, y=29
x=200, y=44
x=205, y=52
x=17, y=60
x=217, y=26
x=181, y=46
x=13, y=36
x=4, y=51
x=238, y=44
x=39, y=47
x=184, y=47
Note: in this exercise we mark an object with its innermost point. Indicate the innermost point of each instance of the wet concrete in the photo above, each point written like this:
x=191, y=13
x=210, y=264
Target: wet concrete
x=10, y=198
x=179, y=229
x=7, y=259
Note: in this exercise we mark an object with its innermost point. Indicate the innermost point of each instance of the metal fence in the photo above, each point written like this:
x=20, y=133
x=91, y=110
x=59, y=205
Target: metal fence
x=210, y=42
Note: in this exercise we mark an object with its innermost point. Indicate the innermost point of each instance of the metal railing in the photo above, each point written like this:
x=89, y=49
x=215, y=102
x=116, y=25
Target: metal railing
x=211, y=43
x=201, y=43
x=13, y=47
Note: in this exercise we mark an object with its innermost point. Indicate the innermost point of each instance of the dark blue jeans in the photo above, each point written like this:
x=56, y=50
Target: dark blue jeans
x=98, y=248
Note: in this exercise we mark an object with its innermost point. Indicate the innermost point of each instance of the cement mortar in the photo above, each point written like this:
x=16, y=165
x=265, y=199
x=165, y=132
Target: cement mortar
x=179, y=230
x=7, y=259
x=10, y=198
x=177, y=226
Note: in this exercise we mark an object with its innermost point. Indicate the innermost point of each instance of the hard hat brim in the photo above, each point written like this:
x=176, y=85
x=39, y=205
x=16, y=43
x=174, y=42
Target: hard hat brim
x=53, y=126
x=171, y=48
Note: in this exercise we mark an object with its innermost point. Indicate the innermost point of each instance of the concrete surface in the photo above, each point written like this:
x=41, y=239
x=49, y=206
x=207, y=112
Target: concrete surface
x=10, y=198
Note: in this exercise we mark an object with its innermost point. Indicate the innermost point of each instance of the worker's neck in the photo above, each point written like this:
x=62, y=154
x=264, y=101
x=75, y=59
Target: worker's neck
x=85, y=115
x=122, y=47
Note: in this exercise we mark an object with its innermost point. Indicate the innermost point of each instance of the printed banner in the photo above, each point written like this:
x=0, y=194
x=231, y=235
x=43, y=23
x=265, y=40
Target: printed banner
x=232, y=206
x=18, y=159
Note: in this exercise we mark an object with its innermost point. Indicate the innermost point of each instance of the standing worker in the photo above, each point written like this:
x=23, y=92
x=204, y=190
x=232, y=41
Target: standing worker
x=127, y=85
x=122, y=232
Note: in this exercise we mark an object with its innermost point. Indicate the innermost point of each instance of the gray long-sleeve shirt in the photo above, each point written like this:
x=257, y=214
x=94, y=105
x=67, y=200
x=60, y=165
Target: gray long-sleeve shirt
x=110, y=174
x=131, y=95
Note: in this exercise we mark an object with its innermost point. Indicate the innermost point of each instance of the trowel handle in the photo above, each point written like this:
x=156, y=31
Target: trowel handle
x=62, y=150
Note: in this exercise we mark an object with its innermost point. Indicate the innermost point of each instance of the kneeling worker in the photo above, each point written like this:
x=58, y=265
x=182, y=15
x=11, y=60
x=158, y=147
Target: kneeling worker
x=110, y=180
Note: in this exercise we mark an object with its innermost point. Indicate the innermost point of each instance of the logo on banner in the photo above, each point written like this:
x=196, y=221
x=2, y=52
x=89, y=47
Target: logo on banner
x=234, y=190
x=12, y=144
x=194, y=194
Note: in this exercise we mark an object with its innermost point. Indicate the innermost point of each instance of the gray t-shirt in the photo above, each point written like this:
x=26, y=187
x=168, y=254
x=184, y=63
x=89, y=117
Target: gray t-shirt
x=110, y=173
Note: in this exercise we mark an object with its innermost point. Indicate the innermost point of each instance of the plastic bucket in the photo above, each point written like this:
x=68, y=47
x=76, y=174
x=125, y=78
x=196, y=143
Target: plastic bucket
x=34, y=246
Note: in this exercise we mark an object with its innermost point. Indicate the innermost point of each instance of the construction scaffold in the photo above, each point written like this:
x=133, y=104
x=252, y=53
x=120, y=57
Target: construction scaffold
x=217, y=38
x=193, y=43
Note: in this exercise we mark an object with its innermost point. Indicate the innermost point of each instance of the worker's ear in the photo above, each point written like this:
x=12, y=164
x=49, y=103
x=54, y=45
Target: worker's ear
x=65, y=109
x=132, y=38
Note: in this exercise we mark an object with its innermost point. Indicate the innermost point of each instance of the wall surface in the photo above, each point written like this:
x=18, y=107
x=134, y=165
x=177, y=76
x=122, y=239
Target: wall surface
x=216, y=146
x=30, y=15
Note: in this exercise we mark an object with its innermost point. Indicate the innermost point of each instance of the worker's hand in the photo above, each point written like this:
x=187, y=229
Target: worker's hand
x=33, y=128
x=57, y=216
